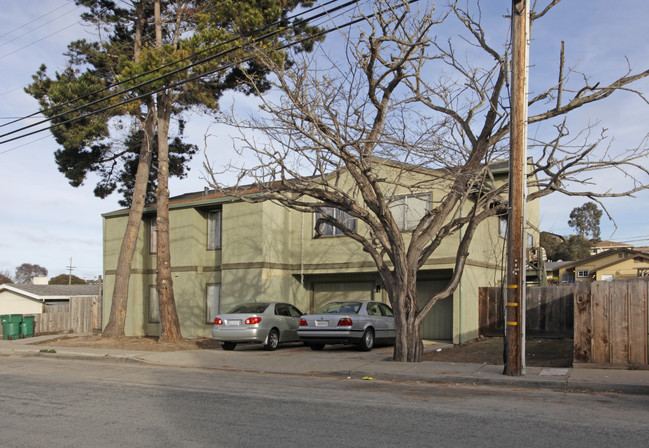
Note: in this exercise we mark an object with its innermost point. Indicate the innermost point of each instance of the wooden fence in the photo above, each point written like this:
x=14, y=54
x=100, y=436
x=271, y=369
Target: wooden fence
x=83, y=315
x=611, y=323
x=549, y=311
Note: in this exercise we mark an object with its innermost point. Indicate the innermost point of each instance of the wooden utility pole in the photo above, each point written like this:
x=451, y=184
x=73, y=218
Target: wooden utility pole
x=70, y=267
x=516, y=263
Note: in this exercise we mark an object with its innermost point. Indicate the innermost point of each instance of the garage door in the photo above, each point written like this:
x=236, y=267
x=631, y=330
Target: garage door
x=438, y=323
x=324, y=293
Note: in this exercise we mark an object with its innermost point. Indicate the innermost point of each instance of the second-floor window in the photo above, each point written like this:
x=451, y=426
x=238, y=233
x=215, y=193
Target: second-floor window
x=214, y=219
x=213, y=302
x=153, y=236
x=408, y=210
x=345, y=218
x=153, y=305
x=502, y=227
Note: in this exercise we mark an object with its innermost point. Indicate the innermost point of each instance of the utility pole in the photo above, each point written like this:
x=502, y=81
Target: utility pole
x=516, y=263
x=70, y=267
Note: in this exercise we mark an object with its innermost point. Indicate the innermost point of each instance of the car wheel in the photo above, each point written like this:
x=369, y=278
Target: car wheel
x=367, y=341
x=316, y=347
x=228, y=345
x=272, y=341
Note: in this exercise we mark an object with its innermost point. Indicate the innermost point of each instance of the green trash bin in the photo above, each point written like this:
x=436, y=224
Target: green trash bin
x=27, y=327
x=11, y=325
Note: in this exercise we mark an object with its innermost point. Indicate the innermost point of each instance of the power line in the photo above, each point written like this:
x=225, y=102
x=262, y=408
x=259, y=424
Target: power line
x=39, y=40
x=34, y=20
x=173, y=85
x=38, y=27
x=96, y=92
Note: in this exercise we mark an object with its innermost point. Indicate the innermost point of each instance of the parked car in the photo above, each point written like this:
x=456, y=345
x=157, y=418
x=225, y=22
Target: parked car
x=267, y=323
x=363, y=323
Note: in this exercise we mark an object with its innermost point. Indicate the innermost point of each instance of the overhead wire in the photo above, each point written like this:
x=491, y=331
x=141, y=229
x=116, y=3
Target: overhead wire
x=157, y=69
x=190, y=79
x=166, y=75
x=38, y=27
x=34, y=20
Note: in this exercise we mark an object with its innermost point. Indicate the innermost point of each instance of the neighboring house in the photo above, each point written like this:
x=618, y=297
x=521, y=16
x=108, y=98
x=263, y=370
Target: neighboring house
x=226, y=251
x=615, y=264
x=36, y=299
x=603, y=246
x=553, y=270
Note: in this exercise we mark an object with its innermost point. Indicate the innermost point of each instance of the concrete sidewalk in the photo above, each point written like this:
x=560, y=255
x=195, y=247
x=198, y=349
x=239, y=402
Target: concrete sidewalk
x=349, y=363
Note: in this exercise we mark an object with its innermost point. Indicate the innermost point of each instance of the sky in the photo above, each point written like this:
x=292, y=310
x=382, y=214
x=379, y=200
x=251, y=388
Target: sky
x=45, y=221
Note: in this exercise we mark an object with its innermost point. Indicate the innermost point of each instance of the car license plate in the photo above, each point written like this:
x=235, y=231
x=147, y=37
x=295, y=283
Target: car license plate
x=234, y=323
x=321, y=323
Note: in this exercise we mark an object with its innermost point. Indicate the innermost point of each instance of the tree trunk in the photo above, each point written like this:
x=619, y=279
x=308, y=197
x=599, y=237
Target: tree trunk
x=408, y=345
x=117, y=320
x=169, y=323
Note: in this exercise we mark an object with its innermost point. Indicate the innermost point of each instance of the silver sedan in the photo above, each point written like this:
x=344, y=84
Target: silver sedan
x=363, y=323
x=268, y=323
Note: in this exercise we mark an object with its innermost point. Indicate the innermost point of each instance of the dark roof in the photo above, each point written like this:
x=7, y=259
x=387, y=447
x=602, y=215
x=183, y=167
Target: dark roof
x=56, y=290
x=212, y=196
x=552, y=265
x=603, y=244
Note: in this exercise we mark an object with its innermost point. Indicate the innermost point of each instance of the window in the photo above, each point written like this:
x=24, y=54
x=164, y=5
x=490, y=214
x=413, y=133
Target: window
x=345, y=218
x=373, y=309
x=530, y=241
x=387, y=311
x=408, y=210
x=213, y=301
x=294, y=311
x=154, y=305
x=583, y=274
x=214, y=229
x=153, y=236
x=502, y=227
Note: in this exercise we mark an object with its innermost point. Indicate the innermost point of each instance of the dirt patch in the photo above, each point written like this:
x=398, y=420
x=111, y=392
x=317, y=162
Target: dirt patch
x=539, y=352
x=132, y=343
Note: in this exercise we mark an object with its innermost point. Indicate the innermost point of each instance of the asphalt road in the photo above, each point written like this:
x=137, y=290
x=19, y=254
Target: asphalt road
x=67, y=403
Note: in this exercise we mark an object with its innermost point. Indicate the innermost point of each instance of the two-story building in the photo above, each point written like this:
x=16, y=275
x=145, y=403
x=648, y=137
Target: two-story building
x=225, y=251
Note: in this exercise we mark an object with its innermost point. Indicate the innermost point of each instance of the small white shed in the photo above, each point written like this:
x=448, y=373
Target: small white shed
x=32, y=299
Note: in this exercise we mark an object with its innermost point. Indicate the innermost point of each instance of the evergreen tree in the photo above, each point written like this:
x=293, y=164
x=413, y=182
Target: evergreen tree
x=137, y=40
x=585, y=220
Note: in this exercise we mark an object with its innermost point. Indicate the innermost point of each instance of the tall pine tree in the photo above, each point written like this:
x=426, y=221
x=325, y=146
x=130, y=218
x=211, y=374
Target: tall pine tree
x=137, y=42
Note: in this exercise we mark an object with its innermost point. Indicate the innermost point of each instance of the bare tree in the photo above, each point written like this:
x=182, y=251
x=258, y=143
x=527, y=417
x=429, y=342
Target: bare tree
x=26, y=272
x=5, y=276
x=402, y=99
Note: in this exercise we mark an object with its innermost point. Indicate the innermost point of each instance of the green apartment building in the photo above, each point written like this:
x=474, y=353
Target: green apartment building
x=225, y=251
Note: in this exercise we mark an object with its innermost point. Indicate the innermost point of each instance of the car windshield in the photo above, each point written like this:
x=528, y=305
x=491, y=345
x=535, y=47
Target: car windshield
x=341, y=307
x=247, y=308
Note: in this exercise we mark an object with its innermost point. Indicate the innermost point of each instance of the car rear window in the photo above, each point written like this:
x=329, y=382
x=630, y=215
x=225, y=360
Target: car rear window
x=247, y=308
x=341, y=307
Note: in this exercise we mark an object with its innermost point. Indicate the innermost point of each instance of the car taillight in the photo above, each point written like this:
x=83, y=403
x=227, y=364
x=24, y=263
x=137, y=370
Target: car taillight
x=303, y=323
x=253, y=320
x=345, y=322
x=218, y=321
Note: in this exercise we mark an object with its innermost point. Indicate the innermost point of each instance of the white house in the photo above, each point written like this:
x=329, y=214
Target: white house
x=33, y=299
